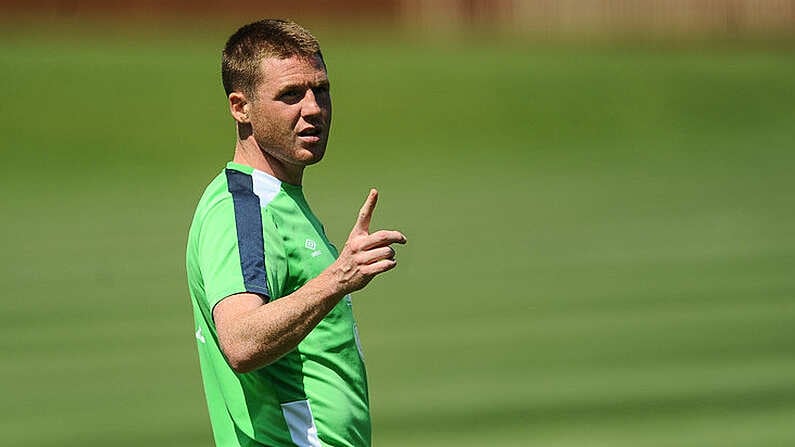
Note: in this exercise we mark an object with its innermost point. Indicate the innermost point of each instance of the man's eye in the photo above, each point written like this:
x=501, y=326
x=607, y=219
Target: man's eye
x=290, y=94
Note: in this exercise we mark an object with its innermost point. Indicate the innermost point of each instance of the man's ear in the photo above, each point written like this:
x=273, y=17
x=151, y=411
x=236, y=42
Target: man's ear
x=238, y=107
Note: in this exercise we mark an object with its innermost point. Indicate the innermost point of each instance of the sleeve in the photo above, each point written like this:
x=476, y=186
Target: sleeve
x=231, y=254
x=275, y=258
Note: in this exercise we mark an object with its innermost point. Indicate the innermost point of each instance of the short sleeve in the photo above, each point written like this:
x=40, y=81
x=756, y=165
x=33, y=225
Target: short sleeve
x=228, y=266
x=275, y=257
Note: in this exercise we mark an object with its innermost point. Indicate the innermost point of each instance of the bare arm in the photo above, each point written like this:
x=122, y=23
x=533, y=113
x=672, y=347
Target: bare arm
x=253, y=334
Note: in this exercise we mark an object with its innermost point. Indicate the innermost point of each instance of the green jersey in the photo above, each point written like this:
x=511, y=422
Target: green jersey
x=253, y=233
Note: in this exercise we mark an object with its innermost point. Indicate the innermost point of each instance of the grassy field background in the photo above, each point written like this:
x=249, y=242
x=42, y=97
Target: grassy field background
x=602, y=238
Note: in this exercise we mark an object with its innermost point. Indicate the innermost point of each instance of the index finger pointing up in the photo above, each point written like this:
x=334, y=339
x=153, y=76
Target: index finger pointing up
x=366, y=213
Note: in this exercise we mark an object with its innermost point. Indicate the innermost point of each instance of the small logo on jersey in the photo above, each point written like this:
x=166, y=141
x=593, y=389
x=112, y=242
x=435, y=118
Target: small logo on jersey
x=199, y=336
x=312, y=245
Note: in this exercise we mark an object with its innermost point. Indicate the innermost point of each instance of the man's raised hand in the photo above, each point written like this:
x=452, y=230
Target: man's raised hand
x=365, y=255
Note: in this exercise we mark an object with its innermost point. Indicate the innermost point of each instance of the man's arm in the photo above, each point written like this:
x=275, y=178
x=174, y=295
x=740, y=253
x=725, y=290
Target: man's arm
x=253, y=334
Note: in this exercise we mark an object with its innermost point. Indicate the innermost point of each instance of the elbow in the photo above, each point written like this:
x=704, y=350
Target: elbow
x=239, y=359
x=240, y=365
x=243, y=357
x=236, y=350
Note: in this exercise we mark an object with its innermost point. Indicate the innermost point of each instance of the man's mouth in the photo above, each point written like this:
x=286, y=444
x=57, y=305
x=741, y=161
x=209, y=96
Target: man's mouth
x=310, y=134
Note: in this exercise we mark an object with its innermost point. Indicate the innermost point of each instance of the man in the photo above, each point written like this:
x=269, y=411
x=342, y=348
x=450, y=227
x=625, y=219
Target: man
x=278, y=345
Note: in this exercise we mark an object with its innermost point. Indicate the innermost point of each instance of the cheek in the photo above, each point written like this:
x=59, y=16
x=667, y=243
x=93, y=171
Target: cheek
x=274, y=124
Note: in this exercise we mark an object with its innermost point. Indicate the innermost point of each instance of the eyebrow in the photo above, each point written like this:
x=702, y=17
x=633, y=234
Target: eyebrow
x=310, y=84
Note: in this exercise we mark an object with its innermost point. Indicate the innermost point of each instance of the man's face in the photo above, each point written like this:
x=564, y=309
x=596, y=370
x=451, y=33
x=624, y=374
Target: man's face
x=290, y=112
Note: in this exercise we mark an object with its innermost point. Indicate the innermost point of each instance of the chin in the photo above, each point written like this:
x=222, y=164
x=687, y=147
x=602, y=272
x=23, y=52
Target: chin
x=310, y=156
x=313, y=160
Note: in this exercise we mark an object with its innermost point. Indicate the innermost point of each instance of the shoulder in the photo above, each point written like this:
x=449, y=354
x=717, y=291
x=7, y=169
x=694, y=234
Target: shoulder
x=216, y=192
x=215, y=204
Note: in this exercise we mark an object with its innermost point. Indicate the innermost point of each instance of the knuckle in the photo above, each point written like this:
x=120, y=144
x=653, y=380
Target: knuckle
x=355, y=244
x=364, y=259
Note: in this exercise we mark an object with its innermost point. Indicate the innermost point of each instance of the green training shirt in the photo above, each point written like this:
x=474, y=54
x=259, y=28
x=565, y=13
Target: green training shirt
x=253, y=233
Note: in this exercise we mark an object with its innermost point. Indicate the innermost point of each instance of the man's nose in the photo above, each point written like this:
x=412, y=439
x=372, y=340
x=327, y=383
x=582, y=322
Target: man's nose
x=309, y=105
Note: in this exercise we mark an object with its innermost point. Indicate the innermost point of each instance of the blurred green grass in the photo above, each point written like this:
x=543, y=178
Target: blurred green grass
x=602, y=239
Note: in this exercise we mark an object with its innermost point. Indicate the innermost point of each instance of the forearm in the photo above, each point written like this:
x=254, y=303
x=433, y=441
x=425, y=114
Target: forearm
x=260, y=336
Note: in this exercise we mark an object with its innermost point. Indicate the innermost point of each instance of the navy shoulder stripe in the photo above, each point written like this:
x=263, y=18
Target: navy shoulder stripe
x=248, y=220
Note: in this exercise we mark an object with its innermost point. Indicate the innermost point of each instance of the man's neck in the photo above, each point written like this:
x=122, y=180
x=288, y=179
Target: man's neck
x=249, y=153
